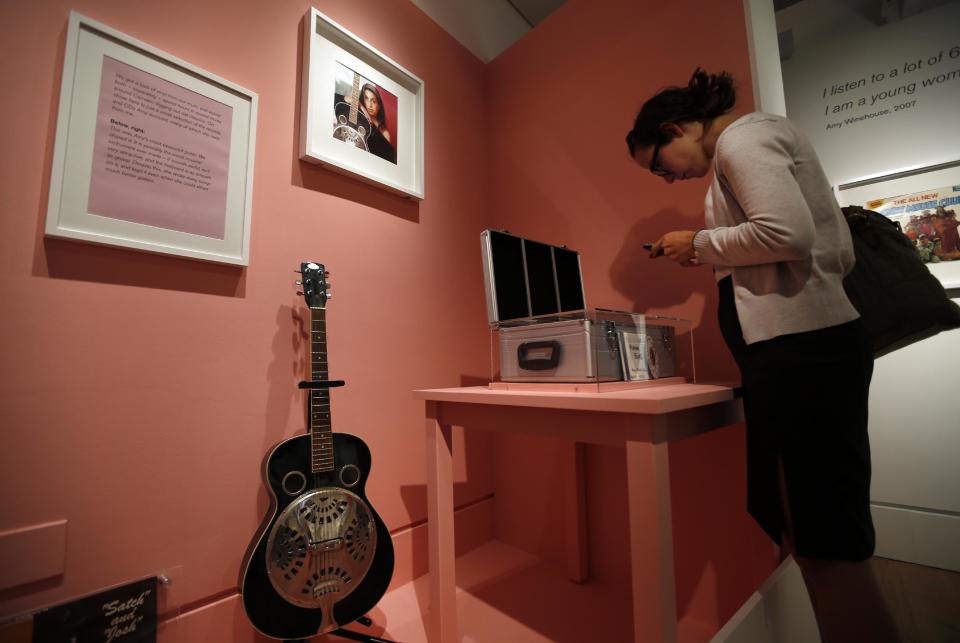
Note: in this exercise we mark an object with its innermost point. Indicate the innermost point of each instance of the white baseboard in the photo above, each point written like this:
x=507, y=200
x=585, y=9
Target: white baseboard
x=780, y=610
x=917, y=536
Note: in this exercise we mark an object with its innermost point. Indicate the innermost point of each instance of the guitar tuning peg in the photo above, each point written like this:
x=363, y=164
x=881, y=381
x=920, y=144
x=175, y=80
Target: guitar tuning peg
x=298, y=272
x=329, y=295
x=326, y=275
x=299, y=293
x=298, y=282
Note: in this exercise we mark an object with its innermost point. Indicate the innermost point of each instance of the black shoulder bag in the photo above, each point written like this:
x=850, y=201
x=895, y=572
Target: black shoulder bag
x=899, y=301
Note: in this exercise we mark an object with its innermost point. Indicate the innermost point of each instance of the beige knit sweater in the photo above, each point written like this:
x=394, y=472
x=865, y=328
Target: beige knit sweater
x=774, y=225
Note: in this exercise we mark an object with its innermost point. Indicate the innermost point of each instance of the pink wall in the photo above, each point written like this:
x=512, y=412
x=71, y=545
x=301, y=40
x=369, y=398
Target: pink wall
x=139, y=393
x=560, y=102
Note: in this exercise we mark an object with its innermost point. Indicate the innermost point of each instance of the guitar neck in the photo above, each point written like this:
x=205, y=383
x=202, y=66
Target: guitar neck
x=355, y=99
x=321, y=433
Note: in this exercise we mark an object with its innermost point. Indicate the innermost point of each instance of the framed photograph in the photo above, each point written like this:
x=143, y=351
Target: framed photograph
x=151, y=152
x=926, y=204
x=361, y=114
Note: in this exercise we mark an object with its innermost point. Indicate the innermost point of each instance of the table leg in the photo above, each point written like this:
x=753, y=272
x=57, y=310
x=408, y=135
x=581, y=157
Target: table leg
x=575, y=508
x=443, y=586
x=651, y=542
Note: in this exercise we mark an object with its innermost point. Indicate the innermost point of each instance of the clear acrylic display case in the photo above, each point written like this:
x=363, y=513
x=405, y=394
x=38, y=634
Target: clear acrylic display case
x=595, y=349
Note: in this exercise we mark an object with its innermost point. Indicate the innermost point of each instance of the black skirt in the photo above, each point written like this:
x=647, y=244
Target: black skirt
x=805, y=401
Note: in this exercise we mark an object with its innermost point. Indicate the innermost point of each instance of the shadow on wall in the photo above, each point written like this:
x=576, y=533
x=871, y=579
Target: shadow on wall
x=721, y=554
x=661, y=286
x=666, y=285
x=321, y=179
x=288, y=366
x=62, y=259
x=716, y=567
x=416, y=559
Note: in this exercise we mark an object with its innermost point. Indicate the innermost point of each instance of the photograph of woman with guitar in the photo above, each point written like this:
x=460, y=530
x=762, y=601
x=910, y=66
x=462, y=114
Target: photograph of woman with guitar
x=361, y=116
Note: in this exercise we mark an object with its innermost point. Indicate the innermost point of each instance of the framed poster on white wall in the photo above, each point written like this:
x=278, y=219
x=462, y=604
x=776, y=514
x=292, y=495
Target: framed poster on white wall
x=926, y=204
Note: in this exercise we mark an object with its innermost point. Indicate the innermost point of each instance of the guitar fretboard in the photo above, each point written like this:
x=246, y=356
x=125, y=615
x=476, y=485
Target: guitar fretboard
x=355, y=98
x=321, y=434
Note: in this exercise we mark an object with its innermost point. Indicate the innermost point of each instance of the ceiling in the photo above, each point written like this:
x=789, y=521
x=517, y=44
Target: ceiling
x=487, y=27
x=802, y=23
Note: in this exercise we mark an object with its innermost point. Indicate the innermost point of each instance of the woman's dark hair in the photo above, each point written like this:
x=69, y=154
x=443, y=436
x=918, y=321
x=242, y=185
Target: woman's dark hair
x=382, y=114
x=706, y=96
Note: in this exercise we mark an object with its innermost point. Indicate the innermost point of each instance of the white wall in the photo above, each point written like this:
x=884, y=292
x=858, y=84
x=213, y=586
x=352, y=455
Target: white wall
x=915, y=441
x=926, y=132
x=764, y=61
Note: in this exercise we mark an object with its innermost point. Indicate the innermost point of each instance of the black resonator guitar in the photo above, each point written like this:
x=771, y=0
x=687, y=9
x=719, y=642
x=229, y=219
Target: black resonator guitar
x=352, y=124
x=322, y=557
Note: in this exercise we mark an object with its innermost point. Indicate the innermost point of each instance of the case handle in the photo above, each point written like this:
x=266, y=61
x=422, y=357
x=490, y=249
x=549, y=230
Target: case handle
x=539, y=356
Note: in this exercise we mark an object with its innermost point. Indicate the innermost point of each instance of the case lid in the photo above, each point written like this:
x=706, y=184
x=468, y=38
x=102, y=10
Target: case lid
x=525, y=278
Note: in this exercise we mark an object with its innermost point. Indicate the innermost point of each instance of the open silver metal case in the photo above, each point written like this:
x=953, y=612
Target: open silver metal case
x=541, y=330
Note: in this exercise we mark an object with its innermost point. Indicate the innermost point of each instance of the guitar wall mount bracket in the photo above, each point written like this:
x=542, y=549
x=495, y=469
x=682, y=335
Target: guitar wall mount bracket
x=321, y=384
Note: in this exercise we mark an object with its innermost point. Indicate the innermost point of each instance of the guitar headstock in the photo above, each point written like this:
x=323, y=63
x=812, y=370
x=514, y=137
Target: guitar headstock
x=314, y=284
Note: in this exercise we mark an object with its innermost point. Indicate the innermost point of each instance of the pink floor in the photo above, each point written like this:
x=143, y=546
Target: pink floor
x=504, y=595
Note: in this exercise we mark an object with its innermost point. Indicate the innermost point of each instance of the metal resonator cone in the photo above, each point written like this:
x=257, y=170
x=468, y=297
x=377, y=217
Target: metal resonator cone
x=320, y=548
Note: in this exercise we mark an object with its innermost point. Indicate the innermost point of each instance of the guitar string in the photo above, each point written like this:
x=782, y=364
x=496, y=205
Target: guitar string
x=326, y=559
x=314, y=557
x=324, y=399
x=322, y=560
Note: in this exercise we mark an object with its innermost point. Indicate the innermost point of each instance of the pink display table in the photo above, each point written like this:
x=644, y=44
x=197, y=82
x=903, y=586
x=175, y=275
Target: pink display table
x=642, y=420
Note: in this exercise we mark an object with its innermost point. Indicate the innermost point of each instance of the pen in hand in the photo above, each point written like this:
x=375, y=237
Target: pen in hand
x=649, y=246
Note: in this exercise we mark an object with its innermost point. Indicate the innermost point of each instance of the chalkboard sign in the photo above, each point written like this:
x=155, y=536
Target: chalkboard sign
x=126, y=614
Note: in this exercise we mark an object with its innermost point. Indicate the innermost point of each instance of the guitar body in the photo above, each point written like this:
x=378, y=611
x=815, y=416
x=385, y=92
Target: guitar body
x=355, y=132
x=293, y=562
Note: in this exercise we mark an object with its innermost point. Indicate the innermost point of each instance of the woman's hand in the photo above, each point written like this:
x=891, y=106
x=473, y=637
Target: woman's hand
x=676, y=246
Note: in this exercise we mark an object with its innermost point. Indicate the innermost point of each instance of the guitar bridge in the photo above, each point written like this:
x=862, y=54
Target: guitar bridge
x=322, y=546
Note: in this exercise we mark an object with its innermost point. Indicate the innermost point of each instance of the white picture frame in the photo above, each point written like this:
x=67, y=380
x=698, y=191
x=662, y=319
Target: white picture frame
x=188, y=203
x=862, y=191
x=329, y=53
